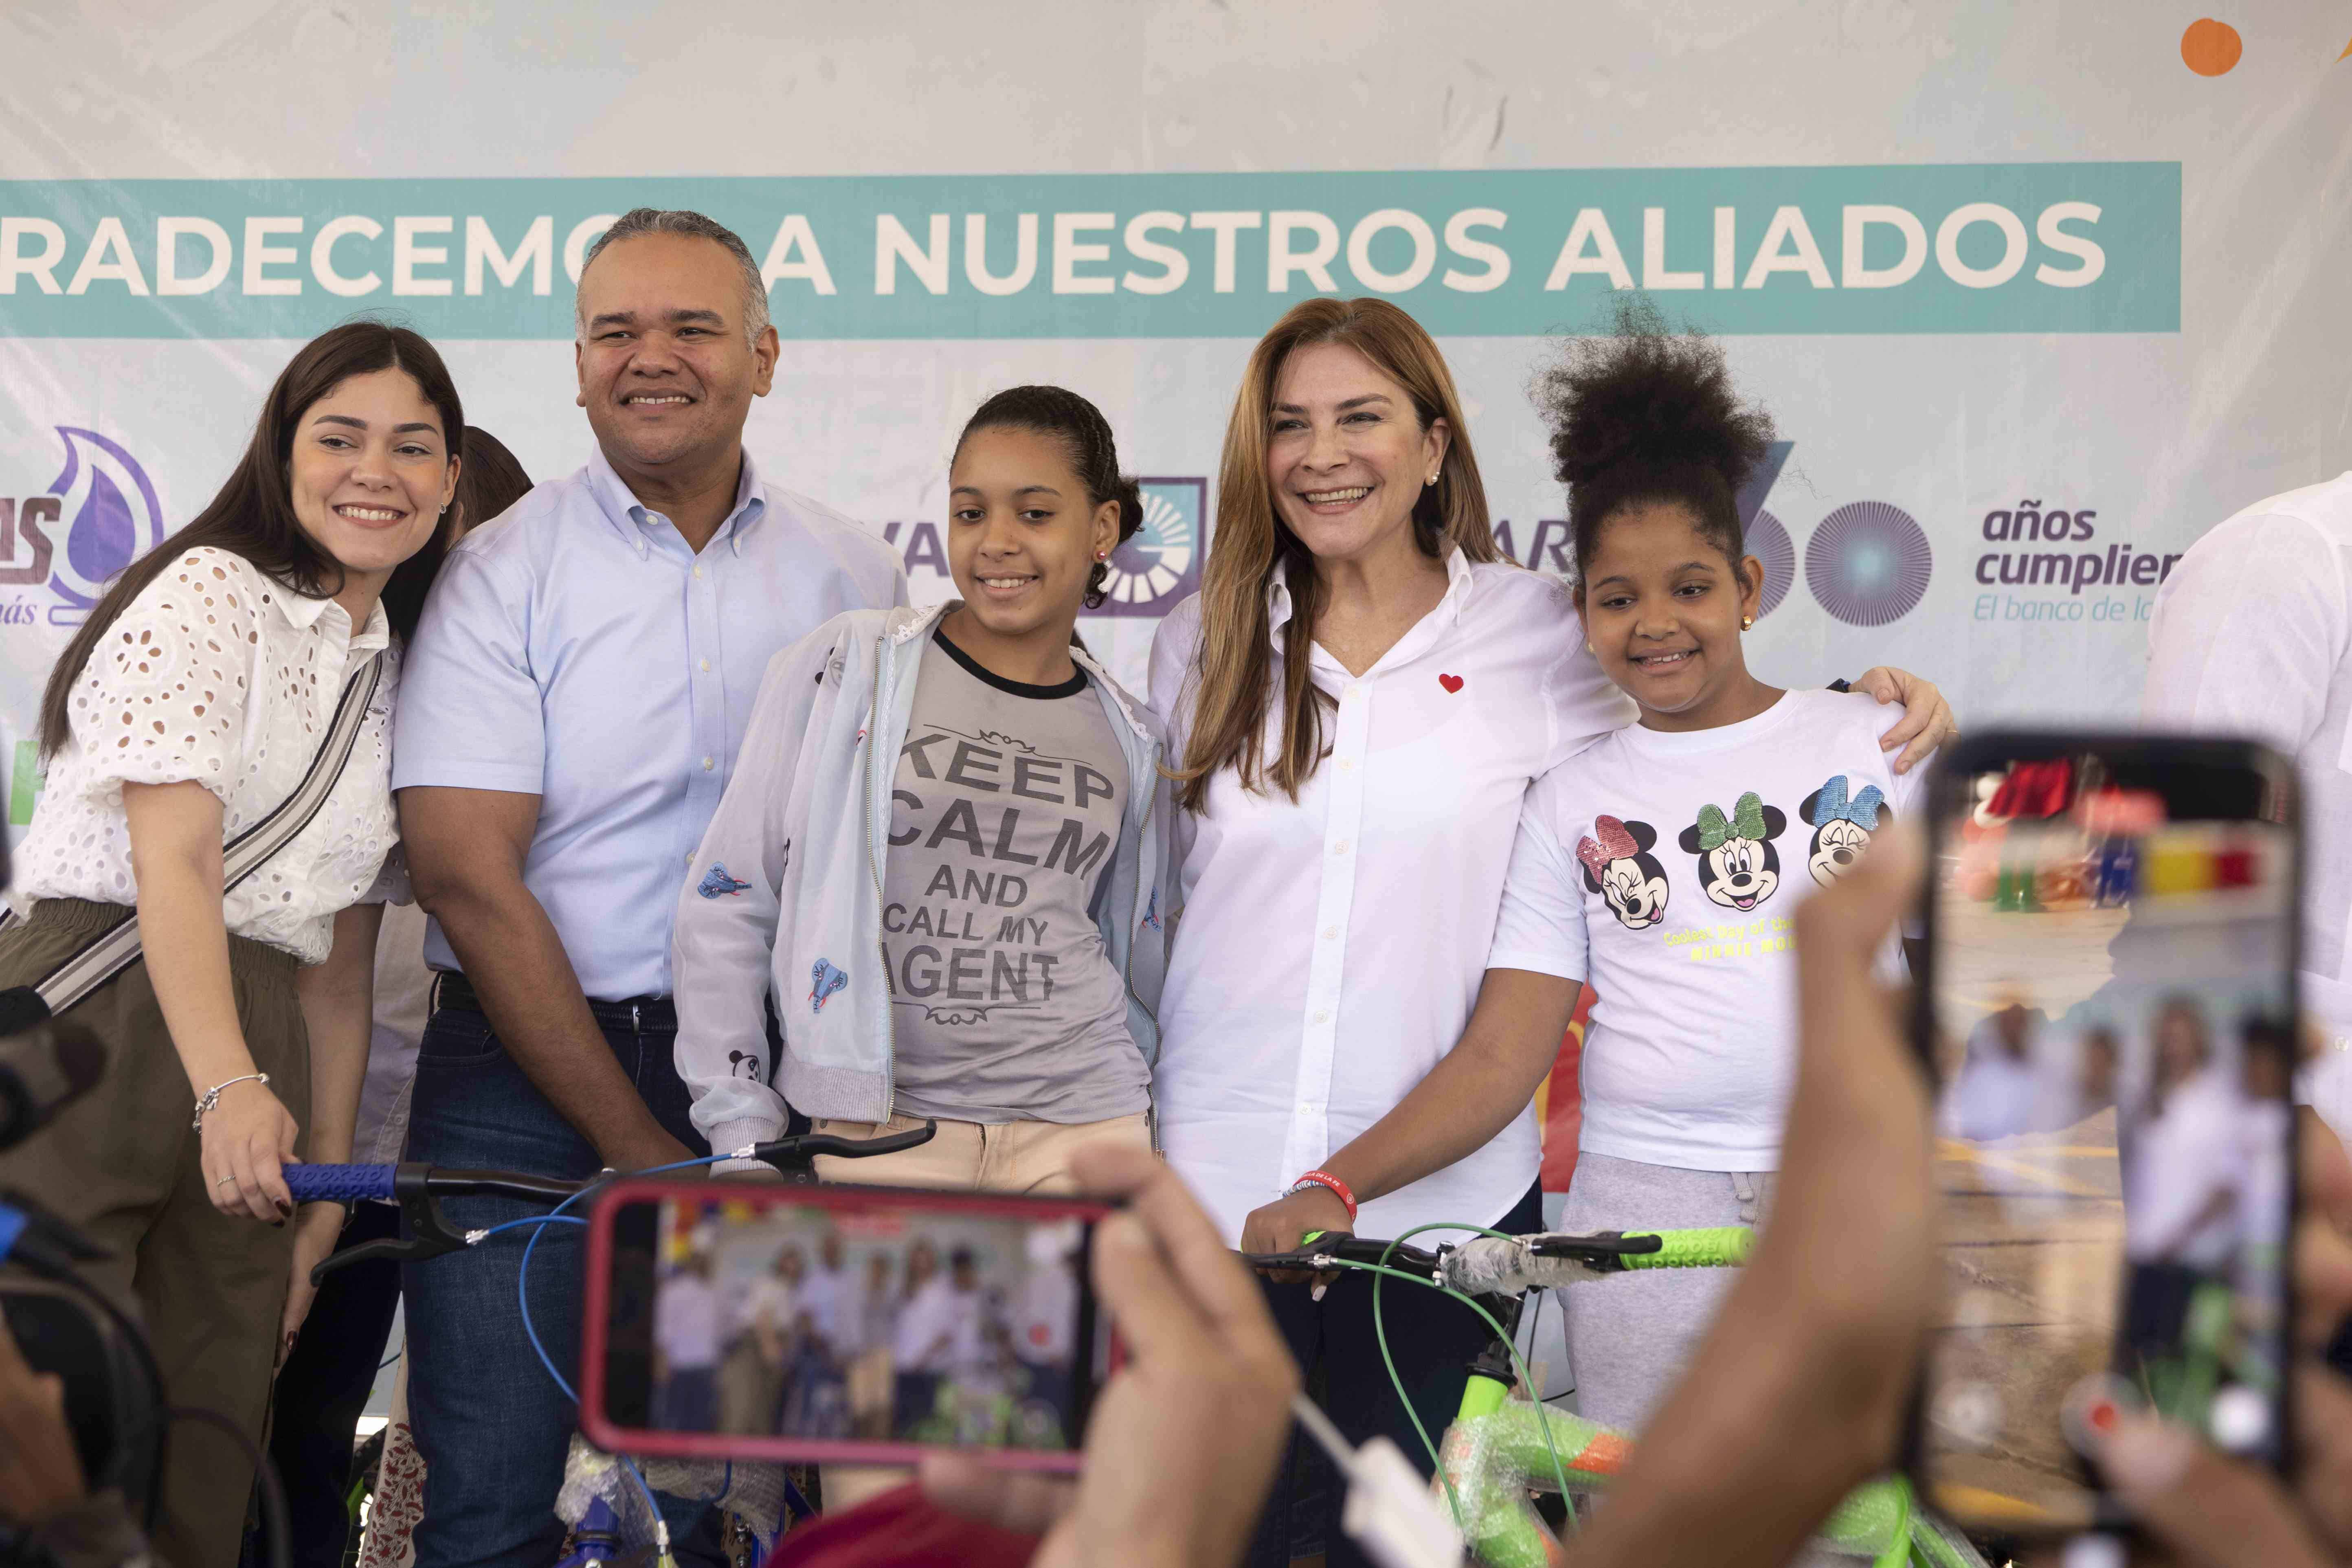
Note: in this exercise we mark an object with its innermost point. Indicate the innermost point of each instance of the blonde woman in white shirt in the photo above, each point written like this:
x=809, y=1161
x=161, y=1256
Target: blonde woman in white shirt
x=1346, y=820
x=187, y=709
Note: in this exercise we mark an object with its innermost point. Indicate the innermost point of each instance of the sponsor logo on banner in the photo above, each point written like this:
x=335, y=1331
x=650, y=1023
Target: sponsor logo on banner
x=1867, y=564
x=95, y=518
x=1152, y=571
x=58, y=547
x=2056, y=556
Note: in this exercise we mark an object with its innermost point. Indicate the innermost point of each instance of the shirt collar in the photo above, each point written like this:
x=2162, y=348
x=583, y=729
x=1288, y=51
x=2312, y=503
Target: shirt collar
x=1449, y=609
x=629, y=516
x=303, y=612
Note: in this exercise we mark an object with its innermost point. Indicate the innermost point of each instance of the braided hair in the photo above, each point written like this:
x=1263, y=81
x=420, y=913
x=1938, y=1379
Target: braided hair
x=1645, y=415
x=1058, y=412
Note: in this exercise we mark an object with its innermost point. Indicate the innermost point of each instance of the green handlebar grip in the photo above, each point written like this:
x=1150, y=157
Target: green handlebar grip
x=1723, y=1246
x=1308, y=1238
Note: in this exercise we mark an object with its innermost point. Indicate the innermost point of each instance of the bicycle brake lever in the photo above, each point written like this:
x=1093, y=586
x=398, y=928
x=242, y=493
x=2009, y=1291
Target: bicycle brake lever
x=429, y=1235
x=1604, y=1249
x=812, y=1143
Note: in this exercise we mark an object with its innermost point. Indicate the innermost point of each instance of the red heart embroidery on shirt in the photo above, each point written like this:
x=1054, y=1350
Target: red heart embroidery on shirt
x=1451, y=682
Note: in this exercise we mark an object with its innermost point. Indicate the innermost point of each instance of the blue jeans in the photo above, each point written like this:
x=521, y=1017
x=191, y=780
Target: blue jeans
x=490, y=1425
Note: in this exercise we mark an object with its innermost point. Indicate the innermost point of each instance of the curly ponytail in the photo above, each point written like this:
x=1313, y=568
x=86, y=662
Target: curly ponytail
x=1645, y=415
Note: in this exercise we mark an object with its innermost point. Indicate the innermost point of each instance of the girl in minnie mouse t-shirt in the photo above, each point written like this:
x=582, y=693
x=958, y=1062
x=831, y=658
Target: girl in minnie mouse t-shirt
x=1665, y=862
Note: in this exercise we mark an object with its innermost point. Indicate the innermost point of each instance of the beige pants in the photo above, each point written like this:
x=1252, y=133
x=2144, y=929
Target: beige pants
x=978, y=1156
x=963, y=1156
x=121, y=1164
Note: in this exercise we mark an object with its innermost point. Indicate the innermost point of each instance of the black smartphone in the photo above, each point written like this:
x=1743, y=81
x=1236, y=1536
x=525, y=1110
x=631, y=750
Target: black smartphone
x=856, y=1325
x=2108, y=1005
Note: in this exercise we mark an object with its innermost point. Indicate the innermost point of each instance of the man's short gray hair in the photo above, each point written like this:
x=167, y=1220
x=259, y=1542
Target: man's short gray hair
x=655, y=220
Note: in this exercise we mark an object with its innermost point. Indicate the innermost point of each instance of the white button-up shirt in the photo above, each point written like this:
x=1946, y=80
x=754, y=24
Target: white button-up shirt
x=577, y=648
x=2252, y=636
x=219, y=674
x=1329, y=950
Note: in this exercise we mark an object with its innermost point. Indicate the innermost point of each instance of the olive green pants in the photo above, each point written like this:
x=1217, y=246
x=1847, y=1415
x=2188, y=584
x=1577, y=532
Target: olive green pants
x=120, y=1165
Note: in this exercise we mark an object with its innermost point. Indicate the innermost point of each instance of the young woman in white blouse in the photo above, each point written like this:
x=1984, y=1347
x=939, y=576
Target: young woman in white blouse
x=188, y=707
x=1348, y=805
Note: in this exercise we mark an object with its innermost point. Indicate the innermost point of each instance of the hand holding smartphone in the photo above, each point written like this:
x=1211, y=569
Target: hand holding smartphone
x=2109, y=1004
x=840, y=1324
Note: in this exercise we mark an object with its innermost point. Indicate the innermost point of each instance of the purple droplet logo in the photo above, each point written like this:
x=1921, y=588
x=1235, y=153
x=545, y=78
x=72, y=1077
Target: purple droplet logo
x=1868, y=564
x=111, y=518
x=101, y=537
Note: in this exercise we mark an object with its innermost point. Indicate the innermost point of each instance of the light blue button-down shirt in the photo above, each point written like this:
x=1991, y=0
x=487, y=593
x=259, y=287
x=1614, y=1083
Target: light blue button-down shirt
x=576, y=650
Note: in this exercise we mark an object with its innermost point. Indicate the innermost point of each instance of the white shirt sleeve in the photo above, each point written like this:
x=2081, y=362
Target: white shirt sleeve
x=470, y=714
x=163, y=697
x=1173, y=646
x=728, y=913
x=1541, y=926
x=2249, y=630
x=1581, y=702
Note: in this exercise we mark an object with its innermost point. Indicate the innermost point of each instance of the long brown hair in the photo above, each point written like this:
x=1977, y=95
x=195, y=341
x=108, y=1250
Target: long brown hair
x=253, y=515
x=1233, y=675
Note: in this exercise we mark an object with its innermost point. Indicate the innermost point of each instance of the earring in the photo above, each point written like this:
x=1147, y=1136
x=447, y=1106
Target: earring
x=1746, y=622
x=1433, y=479
x=1102, y=554
x=1588, y=648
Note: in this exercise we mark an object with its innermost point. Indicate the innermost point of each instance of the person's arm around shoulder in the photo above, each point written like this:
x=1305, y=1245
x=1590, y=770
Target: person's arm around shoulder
x=2249, y=631
x=731, y=909
x=1535, y=970
x=468, y=770
x=1927, y=723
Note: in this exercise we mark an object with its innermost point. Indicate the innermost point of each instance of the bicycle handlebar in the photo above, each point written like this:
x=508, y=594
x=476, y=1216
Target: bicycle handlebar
x=348, y=1184
x=417, y=1187
x=1721, y=1246
x=1510, y=1265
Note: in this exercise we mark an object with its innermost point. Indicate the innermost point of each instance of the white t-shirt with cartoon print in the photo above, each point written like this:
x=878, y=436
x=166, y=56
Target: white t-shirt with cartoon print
x=1665, y=868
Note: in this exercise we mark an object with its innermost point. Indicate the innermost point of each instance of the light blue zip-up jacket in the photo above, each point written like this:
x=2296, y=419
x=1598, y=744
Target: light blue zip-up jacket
x=784, y=897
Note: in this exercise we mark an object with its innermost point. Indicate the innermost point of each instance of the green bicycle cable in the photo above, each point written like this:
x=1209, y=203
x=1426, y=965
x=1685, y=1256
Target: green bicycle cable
x=1527, y=1378
x=1396, y=1380
x=1381, y=1337
x=1379, y=1333
x=1382, y=1270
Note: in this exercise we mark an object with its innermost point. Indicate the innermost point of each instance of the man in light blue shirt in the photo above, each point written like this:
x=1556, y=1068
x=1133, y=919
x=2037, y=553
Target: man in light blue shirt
x=569, y=716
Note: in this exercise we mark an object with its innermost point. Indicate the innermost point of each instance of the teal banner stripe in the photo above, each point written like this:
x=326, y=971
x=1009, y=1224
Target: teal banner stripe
x=1893, y=248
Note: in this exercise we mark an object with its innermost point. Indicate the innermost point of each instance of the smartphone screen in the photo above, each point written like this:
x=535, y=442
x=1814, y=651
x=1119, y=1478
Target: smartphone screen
x=855, y=1324
x=2110, y=1004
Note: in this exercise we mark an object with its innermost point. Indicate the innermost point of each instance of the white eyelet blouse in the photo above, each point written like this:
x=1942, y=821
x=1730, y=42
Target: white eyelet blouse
x=217, y=673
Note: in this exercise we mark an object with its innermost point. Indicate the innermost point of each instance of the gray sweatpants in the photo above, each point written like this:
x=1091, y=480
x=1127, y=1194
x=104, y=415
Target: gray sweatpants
x=1630, y=1335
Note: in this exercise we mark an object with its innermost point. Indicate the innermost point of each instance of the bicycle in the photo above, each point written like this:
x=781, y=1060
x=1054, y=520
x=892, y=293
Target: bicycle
x=1498, y=1447
x=418, y=1187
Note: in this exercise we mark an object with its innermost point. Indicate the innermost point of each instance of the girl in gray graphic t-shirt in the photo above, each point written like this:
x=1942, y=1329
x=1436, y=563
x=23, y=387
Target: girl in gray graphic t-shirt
x=1014, y=912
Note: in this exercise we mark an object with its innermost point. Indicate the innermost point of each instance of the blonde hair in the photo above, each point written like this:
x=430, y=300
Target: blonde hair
x=1233, y=673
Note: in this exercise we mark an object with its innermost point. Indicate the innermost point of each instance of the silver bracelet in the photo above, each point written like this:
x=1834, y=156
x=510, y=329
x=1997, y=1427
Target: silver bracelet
x=211, y=1097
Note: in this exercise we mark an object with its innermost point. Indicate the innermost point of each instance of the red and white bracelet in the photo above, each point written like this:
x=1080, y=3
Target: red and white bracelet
x=1329, y=1184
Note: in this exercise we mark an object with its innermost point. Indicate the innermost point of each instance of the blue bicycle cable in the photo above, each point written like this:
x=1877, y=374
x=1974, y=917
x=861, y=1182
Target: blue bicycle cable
x=523, y=1301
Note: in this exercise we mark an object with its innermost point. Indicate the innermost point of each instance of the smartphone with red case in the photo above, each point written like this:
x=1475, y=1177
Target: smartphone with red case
x=840, y=1324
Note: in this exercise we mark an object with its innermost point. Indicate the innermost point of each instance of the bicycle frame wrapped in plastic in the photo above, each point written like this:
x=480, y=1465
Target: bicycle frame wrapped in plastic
x=1494, y=1459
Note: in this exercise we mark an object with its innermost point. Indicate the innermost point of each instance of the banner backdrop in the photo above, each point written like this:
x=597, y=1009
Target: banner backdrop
x=2035, y=295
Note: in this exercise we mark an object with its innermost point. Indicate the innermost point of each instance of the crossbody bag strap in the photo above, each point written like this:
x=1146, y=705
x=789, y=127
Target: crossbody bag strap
x=117, y=948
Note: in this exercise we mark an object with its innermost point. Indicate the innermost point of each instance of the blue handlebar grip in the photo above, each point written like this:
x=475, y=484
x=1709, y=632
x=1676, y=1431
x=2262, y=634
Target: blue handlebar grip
x=340, y=1184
